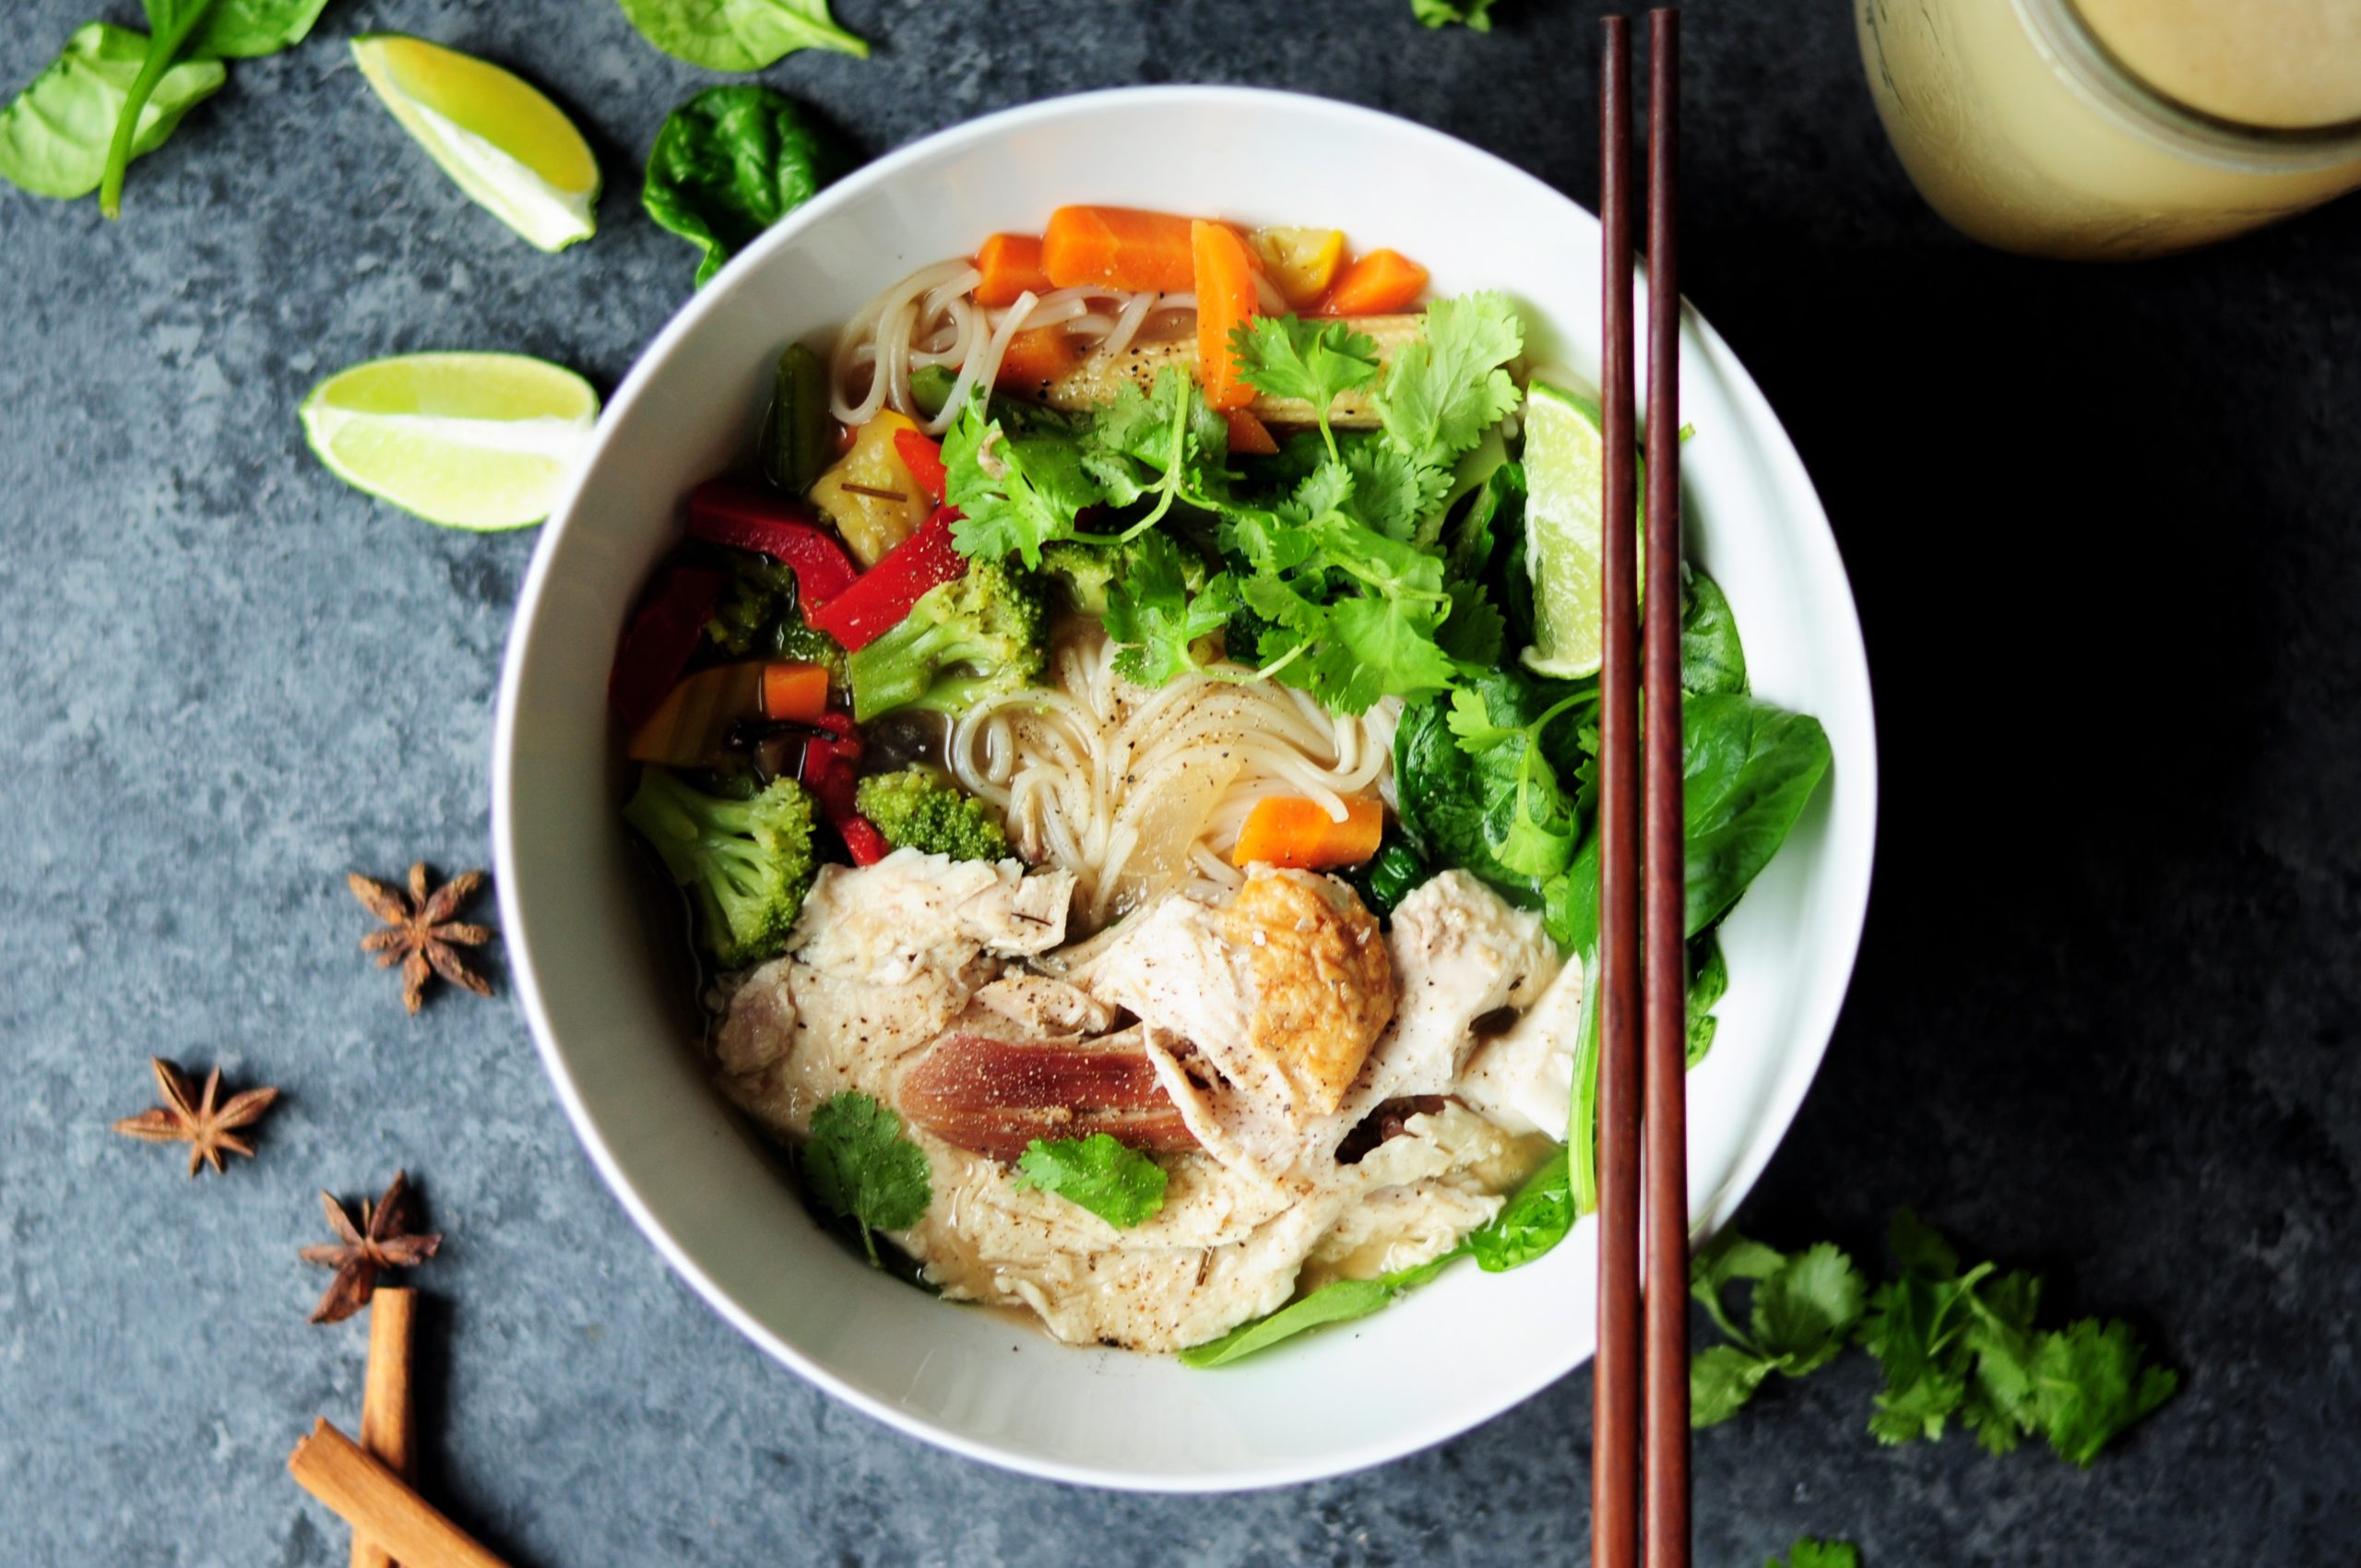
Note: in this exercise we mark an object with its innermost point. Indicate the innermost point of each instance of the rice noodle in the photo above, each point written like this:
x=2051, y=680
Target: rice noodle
x=1087, y=769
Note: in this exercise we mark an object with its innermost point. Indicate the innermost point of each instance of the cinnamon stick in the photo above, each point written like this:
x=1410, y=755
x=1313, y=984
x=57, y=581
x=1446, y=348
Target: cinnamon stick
x=386, y=1428
x=378, y=1504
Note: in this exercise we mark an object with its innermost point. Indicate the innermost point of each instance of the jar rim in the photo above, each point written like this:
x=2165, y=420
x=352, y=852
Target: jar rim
x=2083, y=59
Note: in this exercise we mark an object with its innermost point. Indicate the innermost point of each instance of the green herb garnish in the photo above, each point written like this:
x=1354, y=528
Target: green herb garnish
x=1120, y=1186
x=858, y=1166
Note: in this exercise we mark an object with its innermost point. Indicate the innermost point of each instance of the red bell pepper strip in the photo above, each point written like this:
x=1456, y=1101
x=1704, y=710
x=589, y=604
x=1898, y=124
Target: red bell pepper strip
x=831, y=771
x=884, y=594
x=661, y=638
x=744, y=518
x=923, y=457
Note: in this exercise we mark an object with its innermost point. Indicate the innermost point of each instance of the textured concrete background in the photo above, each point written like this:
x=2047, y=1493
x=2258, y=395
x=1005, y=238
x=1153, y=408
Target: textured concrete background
x=2102, y=523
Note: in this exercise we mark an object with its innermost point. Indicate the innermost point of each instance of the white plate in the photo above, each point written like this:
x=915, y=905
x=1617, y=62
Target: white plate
x=609, y=1017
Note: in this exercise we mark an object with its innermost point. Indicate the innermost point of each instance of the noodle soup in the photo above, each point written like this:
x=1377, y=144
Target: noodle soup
x=1129, y=766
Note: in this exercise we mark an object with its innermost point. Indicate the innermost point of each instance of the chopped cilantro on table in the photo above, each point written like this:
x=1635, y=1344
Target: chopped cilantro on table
x=1954, y=1343
x=858, y=1166
x=1118, y=1184
x=1811, y=1553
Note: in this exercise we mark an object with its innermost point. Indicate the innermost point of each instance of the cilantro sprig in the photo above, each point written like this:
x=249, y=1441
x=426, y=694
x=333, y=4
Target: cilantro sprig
x=1954, y=1343
x=1315, y=361
x=858, y=1166
x=1117, y=1183
x=1809, y=1553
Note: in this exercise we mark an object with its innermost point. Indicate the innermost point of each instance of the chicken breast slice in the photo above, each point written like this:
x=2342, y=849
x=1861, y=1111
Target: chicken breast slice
x=1523, y=1080
x=1283, y=989
x=796, y=1035
x=884, y=922
x=1462, y=957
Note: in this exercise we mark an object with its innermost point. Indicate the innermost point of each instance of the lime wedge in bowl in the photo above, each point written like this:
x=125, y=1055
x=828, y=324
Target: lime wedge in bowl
x=468, y=441
x=509, y=147
x=1565, y=470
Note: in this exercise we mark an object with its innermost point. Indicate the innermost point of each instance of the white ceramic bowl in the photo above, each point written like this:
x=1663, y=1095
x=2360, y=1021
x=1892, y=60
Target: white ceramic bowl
x=607, y=1011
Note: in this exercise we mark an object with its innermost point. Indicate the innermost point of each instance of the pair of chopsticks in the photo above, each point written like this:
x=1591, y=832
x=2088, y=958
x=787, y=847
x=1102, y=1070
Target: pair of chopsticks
x=1639, y=1439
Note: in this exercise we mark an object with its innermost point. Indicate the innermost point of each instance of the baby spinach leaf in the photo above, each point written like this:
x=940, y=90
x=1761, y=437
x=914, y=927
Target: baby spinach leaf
x=1533, y=1221
x=54, y=135
x=1118, y=1184
x=1709, y=978
x=1711, y=656
x=247, y=29
x=1338, y=1303
x=1749, y=770
x=728, y=164
x=1488, y=798
x=739, y=35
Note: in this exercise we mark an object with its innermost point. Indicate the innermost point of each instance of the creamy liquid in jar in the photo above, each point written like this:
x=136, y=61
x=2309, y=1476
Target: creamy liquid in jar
x=2112, y=129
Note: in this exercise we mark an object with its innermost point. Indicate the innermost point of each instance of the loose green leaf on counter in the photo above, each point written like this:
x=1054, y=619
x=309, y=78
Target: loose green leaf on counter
x=197, y=30
x=728, y=164
x=1118, y=1184
x=1473, y=14
x=54, y=134
x=739, y=35
x=858, y=1166
x=1811, y=1553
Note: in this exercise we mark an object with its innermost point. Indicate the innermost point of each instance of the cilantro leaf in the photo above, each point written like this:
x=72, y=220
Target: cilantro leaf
x=1803, y=1311
x=1149, y=612
x=858, y=1166
x=1448, y=387
x=1119, y=1185
x=1316, y=362
x=1473, y=630
x=1811, y=1553
x=1721, y=1380
x=1017, y=489
x=2090, y=1383
x=1390, y=493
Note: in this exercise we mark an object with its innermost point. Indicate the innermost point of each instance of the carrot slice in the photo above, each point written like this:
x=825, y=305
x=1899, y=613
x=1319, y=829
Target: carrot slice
x=1036, y=357
x=1117, y=247
x=1225, y=301
x=1248, y=435
x=1011, y=265
x=795, y=691
x=1380, y=283
x=1288, y=830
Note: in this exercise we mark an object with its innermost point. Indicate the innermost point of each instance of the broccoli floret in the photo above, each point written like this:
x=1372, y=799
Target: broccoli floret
x=758, y=615
x=983, y=633
x=1082, y=570
x=918, y=809
x=747, y=864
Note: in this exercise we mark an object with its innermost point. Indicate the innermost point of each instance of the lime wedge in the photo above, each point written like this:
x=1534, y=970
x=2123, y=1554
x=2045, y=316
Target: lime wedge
x=468, y=441
x=1565, y=469
x=510, y=149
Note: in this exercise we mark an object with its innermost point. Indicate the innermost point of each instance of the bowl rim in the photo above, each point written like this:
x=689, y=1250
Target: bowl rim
x=1780, y=1110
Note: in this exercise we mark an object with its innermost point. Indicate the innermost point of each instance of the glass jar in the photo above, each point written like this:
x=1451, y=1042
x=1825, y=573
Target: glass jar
x=2114, y=129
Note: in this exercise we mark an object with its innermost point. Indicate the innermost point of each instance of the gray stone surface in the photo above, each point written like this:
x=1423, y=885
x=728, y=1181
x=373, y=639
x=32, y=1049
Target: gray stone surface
x=2104, y=530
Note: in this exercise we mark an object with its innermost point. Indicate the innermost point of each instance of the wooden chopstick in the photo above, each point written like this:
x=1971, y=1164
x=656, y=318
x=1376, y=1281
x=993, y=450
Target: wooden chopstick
x=1614, y=1524
x=1642, y=1376
x=1664, y=1029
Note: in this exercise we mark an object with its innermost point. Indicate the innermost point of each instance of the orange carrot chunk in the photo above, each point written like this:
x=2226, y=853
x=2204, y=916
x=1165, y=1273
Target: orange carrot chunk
x=1036, y=357
x=1288, y=831
x=795, y=691
x=1117, y=247
x=1249, y=437
x=1380, y=283
x=1224, y=302
x=1011, y=265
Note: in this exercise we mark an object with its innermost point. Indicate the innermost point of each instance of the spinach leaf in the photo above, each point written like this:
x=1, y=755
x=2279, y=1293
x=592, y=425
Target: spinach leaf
x=1709, y=981
x=53, y=135
x=1338, y=1303
x=195, y=29
x=728, y=164
x=1535, y=1219
x=1488, y=811
x=1711, y=656
x=1749, y=768
x=247, y=29
x=739, y=35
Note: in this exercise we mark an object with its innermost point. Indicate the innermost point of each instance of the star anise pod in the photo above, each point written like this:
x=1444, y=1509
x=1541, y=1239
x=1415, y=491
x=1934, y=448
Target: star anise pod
x=195, y=1120
x=381, y=1241
x=420, y=935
